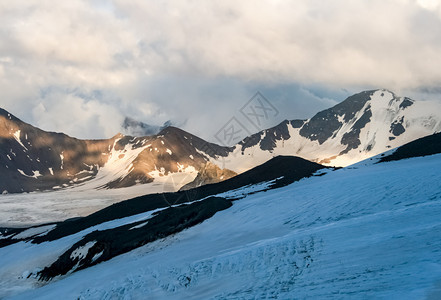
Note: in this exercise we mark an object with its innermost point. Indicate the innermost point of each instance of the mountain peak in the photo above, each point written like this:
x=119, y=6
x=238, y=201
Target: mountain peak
x=172, y=130
x=361, y=126
x=119, y=135
x=133, y=127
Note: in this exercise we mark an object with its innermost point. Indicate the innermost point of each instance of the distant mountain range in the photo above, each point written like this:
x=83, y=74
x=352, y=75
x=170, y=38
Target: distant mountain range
x=361, y=126
x=35, y=160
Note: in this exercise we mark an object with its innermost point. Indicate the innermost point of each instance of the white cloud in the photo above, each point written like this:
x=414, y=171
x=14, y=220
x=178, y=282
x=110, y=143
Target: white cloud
x=160, y=60
x=69, y=112
x=433, y=5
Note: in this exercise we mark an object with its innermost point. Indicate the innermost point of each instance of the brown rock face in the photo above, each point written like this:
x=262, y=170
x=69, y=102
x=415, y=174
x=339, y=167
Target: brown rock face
x=210, y=173
x=35, y=160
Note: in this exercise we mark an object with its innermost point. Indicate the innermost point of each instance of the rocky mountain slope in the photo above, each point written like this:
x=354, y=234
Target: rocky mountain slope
x=362, y=126
x=34, y=160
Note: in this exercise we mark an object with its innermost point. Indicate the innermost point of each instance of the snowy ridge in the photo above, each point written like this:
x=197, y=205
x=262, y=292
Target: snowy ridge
x=342, y=135
x=369, y=231
x=56, y=244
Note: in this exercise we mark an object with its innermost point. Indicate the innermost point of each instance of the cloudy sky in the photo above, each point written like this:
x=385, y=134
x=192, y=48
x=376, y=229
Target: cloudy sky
x=81, y=66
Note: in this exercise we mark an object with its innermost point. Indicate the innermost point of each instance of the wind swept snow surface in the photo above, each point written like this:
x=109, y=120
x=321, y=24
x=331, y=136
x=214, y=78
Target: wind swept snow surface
x=370, y=231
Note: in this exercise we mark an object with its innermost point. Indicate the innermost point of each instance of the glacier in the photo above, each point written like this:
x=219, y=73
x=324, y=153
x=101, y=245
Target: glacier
x=370, y=230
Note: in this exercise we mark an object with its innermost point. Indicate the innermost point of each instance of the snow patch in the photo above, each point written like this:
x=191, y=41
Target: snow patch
x=62, y=161
x=17, y=138
x=40, y=231
x=96, y=256
x=139, y=226
x=35, y=174
x=81, y=252
x=172, y=182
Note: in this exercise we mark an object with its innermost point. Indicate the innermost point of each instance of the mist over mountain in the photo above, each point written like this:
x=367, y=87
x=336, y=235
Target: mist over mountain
x=136, y=128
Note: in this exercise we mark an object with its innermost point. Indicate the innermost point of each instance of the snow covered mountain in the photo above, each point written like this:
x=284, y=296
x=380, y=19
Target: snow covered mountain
x=366, y=231
x=34, y=160
x=360, y=127
x=285, y=228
